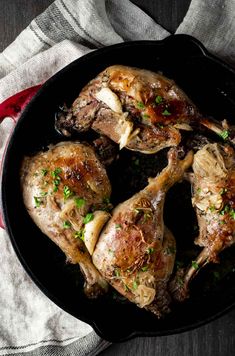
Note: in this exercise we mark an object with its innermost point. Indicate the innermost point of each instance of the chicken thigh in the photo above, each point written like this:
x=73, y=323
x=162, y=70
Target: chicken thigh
x=214, y=201
x=66, y=190
x=135, y=252
x=139, y=109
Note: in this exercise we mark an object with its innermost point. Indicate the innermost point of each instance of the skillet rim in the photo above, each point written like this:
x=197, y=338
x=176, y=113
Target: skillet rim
x=201, y=51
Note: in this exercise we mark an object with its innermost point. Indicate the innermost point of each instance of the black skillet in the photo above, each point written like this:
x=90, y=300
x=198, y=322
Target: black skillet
x=211, y=85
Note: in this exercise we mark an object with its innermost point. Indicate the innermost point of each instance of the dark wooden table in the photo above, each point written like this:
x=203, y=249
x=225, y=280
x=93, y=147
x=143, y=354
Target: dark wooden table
x=214, y=339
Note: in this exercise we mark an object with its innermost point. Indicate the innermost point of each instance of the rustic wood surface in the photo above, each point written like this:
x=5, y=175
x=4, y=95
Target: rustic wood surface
x=214, y=339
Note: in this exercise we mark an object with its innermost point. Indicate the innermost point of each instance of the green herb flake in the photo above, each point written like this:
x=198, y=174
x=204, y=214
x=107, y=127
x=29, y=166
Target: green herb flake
x=146, y=116
x=118, y=226
x=212, y=208
x=225, y=210
x=135, y=285
x=160, y=126
x=117, y=272
x=44, y=172
x=140, y=105
x=37, y=201
x=79, y=202
x=56, y=172
x=195, y=265
x=179, y=281
x=166, y=113
x=232, y=213
x=136, y=162
x=158, y=99
x=150, y=250
x=79, y=234
x=144, y=269
x=67, y=192
x=224, y=134
x=89, y=217
x=66, y=224
x=199, y=190
x=223, y=191
x=147, y=216
x=43, y=194
x=127, y=289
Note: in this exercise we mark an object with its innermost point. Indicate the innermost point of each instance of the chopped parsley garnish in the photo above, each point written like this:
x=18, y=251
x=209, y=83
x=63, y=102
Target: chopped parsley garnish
x=160, y=125
x=37, y=201
x=147, y=216
x=224, y=134
x=66, y=224
x=136, y=162
x=56, y=172
x=195, y=265
x=44, y=172
x=80, y=234
x=67, y=192
x=88, y=218
x=166, y=113
x=229, y=210
x=43, y=194
x=212, y=208
x=232, y=213
x=118, y=226
x=158, y=99
x=144, y=269
x=140, y=105
x=135, y=285
x=57, y=179
x=79, y=202
x=179, y=281
x=146, y=116
x=223, y=191
x=117, y=272
x=150, y=250
x=199, y=190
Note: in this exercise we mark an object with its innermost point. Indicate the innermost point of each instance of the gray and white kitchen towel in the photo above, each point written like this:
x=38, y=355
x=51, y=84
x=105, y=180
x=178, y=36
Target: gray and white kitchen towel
x=29, y=322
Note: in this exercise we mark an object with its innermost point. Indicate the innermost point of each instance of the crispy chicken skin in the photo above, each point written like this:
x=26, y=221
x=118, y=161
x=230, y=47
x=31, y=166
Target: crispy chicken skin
x=139, y=109
x=64, y=190
x=135, y=252
x=214, y=201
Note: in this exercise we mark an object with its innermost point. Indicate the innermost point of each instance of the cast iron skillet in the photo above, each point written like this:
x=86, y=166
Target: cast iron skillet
x=211, y=85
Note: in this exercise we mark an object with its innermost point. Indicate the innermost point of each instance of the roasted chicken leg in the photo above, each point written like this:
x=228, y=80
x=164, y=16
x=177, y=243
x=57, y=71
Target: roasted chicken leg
x=66, y=190
x=135, y=252
x=139, y=109
x=214, y=201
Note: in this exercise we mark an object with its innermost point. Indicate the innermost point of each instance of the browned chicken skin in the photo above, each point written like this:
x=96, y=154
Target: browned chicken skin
x=135, y=252
x=65, y=190
x=214, y=201
x=136, y=108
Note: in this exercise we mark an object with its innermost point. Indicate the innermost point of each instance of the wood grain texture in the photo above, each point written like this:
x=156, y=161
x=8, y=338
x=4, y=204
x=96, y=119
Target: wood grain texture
x=168, y=13
x=214, y=339
x=15, y=15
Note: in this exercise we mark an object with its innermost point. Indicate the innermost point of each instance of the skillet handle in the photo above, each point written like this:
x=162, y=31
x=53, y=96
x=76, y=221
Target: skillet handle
x=13, y=107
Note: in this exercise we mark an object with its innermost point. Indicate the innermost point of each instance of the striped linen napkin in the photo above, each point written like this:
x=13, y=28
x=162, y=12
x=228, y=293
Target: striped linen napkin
x=29, y=322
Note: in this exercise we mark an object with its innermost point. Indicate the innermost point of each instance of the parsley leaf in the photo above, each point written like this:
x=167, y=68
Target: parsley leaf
x=79, y=202
x=88, y=218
